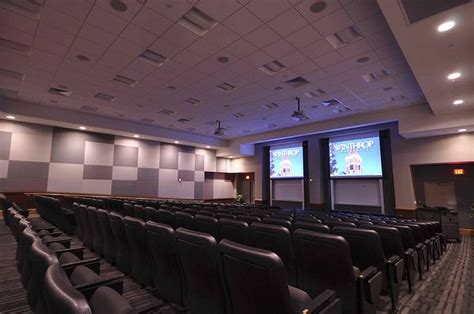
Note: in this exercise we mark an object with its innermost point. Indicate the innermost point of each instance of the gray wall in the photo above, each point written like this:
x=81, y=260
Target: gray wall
x=38, y=158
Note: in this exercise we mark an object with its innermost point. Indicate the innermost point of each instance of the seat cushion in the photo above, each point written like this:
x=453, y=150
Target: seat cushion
x=83, y=275
x=56, y=246
x=299, y=299
x=107, y=300
x=67, y=258
x=48, y=238
x=43, y=232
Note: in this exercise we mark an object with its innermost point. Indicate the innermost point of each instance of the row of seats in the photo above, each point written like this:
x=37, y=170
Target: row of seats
x=51, y=210
x=57, y=278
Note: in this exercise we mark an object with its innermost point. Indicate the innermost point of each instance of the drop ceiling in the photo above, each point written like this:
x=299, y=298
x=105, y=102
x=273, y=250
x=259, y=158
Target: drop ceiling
x=244, y=65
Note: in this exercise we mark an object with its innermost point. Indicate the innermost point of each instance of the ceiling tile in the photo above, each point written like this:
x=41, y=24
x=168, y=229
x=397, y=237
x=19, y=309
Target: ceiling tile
x=102, y=19
x=59, y=20
x=328, y=59
x=303, y=37
x=332, y=23
x=287, y=23
x=132, y=8
x=258, y=59
x=218, y=10
x=373, y=24
x=304, y=8
x=203, y=48
x=77, y=9
x=279, y=48
x=268, y=9
x=242, y=22
x=138, y=35
x=172, y=9
x=360, y=10
x=354, y=49
x=20, y=22
x=221, y=36
x=317, y=49
x=263, y=36
x=241, y=48
x=179, y=36
x=96, y=35
x=16, y=35
x=152, y=21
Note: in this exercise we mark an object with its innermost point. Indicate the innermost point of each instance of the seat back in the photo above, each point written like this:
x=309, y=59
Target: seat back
x=184, y=220
x=108, y=245
x=151, y=213
x=334, y=223
x=234, y=230
x=79, y=224
x=139, y=212
x=96, y=231
x=391, y=239
x=166, y=274
x=249, y=219
x=207, y=224
x=276, y=239
x=128, y=210
x=227, y=215
x=279, y=222
x=121, y=248
x=27, y=237
x=140, y=257
x=311, y=226
x=59, y=294
x=408, y=237
x=323, y=261
x=254, y=280
x=87, y=237
x=198, y=261
x=166, y=217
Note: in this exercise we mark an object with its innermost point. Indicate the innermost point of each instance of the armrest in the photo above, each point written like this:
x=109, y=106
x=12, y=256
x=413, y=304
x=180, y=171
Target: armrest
x=93, y=264
x=63, y=240
x=370, y=284
x=396, y=267
x=53, y=234
x=78, y=251
x=38, y=229
x=326, y=302
x=88, y=289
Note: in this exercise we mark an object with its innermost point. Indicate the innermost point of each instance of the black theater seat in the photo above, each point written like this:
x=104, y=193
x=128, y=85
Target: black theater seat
x=128, y=210
x=323, y=261
x=198, y=261
x=333, y=223
x=278, y=240
x=248, y=219
x=107, y=236
x=166, y=217
x=207, y=224
x=280, y=222
x=121, y=248
x=141, y=263
x=166, y=274
x=79, y=224
x=139, y=212
x=87, y=238
x=184, y=220
x=311, y=226
x=96, y=231
x=234, y=230
x=255, y=282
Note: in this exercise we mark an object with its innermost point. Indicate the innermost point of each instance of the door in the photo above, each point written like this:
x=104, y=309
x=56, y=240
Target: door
x=440, y=193
x=247, y=190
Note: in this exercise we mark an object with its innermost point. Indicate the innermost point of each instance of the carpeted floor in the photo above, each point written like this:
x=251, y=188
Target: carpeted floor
x=447, y=288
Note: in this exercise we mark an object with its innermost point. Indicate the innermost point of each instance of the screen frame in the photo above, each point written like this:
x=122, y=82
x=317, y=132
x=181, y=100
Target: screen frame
x=284, y=146
x=346, y=137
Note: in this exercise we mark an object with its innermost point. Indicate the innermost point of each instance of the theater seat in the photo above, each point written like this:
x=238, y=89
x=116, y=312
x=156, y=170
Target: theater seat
x=255, y=282
x=311, y=226
x=184, y=220
x=108, y=242
x=198, y=261
x=96, y=231
x=276, y=239
x=166, y=217
x=141, y=263
x=79, y=225
x=323, y=261
x=121, y=248
x=279, y=222
x=207, y=224
x=249, y=219
x=166, y=274
x=87, y=238
x=234, y=230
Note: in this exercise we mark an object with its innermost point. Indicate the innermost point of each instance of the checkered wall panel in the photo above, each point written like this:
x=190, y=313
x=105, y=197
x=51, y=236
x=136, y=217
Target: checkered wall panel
x=45, y=159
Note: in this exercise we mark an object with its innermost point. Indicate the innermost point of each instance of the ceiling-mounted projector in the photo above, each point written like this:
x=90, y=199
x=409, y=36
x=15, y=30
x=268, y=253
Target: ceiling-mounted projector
x=299, y=115
x=219, y=131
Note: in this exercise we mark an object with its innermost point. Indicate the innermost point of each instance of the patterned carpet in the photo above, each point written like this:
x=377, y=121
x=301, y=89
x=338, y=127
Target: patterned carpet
x=447, y=288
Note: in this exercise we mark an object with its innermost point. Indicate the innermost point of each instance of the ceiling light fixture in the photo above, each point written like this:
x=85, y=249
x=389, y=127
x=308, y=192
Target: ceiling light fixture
x=136, y=136
x=454, y=75
x=446, y=26
x=458, y=102
x=462, y=130
x=208, y=146
x=82, y=58
x=176, y=142
x=82, y=128
x=11, y=117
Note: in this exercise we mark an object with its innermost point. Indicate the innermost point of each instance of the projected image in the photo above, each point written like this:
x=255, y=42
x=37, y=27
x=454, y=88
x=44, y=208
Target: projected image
x=286, y=162
x=358, y=157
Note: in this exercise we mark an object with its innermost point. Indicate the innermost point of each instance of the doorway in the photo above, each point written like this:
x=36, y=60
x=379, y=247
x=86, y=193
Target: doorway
x=440, y=194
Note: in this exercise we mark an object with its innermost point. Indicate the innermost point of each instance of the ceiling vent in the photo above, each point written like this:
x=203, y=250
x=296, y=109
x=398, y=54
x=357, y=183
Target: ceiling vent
x=125, y=80
x=272, y=67
x=331, y=103
x=59, y=92
x=193, y=101
x=9, y=74
x=104, y=97
x=30, y=7
x=197, y=21
x=316, y=93
x=89, y=108
x=344, y=37
x=14, y=46
x=167, y=112
x=341, y=109
x=152, y=57
x=238, y=115
x=375, y=76
x=271, y=125
x=184, y=120
x=147, y=120
x=397, y=98
x=270, y=106
x=297, y=82
x=225, y=87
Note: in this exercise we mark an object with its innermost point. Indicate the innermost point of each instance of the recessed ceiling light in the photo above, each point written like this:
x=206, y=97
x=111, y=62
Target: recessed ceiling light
x=171, y=87
x=208, y=146
x=462, y=130
x=318, y=7
x=136, y=136
x=458, y=102
x=176, y=142
x=446, y=26
x=82, y=128
x=82, y=58
x=387, y=88
x=11, y=117
x=231, y=156
x=118, y=5
x=454, y=75
x=223, y=59
x=362, y=60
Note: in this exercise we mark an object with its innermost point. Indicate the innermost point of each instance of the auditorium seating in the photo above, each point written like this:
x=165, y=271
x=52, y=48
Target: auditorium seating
x=108, y=242
x=121, y=247
x=141, y=264
x=234, y=230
